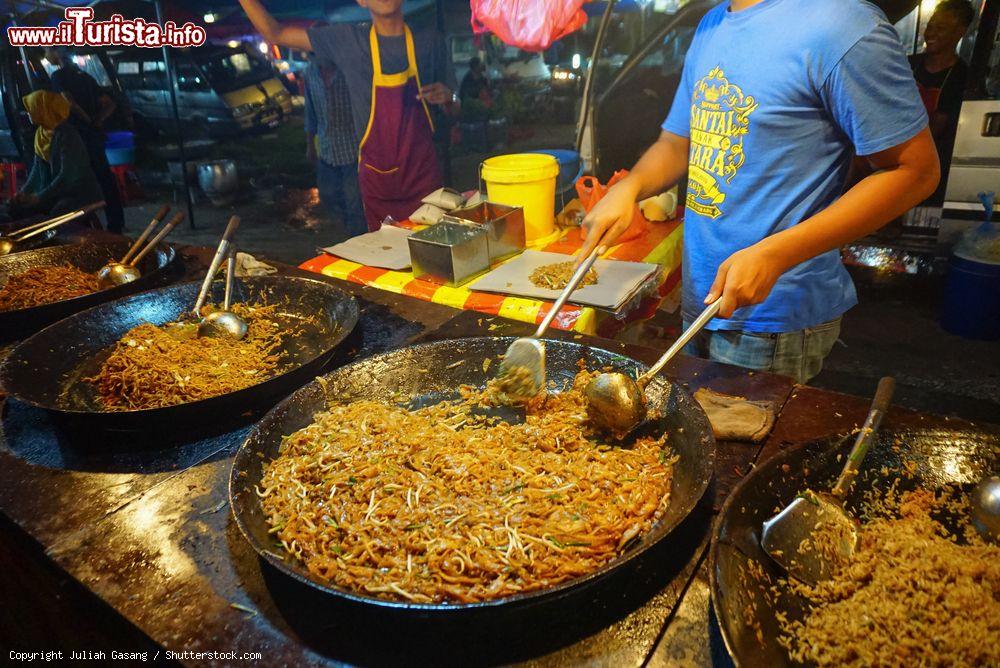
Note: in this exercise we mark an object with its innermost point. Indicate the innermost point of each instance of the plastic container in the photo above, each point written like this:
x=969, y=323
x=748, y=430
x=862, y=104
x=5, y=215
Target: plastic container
x=971, y=307
x=119, y=147
x=570, y=166
x=527, y=180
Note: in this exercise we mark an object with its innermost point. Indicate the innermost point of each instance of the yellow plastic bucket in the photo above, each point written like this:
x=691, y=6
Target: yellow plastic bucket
x=527, y=180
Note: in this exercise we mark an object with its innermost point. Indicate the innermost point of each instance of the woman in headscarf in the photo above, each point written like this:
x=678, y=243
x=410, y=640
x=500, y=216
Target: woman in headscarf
x=60, y=179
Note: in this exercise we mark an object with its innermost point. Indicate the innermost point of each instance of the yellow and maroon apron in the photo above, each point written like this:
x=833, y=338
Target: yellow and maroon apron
x=397, y=165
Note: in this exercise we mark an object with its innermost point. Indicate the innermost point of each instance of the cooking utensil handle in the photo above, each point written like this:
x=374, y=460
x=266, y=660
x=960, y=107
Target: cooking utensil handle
x=575, y=279
x=699, y=323
x=35, y=226
x=53, y=223
x=157, y=219
x=880, y=404
x=230, y=273
x=213, y=269
x=220, y=254
x=160, y=236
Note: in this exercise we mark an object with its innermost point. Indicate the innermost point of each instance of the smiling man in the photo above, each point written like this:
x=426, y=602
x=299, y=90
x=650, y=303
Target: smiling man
x=776, y=98
x=393, y=76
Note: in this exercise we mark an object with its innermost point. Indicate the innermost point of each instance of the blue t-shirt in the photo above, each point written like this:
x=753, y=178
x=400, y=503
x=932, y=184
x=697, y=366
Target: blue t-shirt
x=776, y=99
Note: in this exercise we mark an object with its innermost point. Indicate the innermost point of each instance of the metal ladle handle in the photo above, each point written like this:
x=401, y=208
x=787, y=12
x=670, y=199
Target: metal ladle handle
x=575, y=279
x=61, y=220
x=157, y=219
x=213, y=268
x=230, y=273
x=160, y=236
x=699, y=323
x=880, y=405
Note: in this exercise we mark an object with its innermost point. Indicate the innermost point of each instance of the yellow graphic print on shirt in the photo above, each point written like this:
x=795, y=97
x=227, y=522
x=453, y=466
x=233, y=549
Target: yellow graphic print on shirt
x=720, y=118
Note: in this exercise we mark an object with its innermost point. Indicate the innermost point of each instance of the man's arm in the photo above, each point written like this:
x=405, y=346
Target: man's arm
x=908, y=174
x=272, y=30
x=661, y=166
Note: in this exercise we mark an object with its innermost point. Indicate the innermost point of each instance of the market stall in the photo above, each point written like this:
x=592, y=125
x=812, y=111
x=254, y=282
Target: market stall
x=112, y=543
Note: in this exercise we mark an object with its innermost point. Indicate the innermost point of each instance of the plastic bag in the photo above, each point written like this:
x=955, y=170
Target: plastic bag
x=531, y=25
x=590, y=191
x=982, y=243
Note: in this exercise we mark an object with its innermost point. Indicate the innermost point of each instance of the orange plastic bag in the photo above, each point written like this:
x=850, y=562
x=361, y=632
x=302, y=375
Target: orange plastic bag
x=529, y=24
x=590, y=191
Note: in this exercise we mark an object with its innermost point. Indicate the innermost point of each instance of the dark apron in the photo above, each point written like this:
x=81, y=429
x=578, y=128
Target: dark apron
x=398, y=164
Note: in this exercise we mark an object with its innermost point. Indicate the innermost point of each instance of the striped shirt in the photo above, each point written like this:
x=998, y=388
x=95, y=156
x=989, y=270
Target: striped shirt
x=328, y=114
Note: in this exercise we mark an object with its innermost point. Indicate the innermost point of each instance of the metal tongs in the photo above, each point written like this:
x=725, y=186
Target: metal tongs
x=126, y=270
x=221, y=323
x=10, y=242
x=528, y=352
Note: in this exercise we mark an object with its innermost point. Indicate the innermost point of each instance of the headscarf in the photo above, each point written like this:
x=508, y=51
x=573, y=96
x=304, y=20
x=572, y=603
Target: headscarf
x=47, y=110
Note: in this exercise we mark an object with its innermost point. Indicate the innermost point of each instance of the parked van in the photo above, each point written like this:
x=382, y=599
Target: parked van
x=221, y=90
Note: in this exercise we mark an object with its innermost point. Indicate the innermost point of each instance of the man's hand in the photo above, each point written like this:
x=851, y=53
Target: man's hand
x=609, y=218
x=745, y=278
x=435, y=93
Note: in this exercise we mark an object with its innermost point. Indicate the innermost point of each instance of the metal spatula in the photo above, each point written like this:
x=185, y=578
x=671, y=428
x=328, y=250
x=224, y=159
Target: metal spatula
x=794, y=538
x=527, y=354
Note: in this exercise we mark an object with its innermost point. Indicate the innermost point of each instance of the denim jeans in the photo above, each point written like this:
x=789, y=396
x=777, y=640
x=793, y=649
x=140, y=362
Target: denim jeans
x=797, y=354
x=339, y=193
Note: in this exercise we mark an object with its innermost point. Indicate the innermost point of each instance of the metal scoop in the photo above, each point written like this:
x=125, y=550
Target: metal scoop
x=814, y=532
x=528, y=352
x=616, y=403
x=125, y=270
x=225, y=322
x=985, y=503
x=221, y=253
x=9, y=243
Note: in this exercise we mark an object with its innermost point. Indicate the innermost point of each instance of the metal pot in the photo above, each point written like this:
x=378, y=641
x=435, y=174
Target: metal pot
x=219, y=180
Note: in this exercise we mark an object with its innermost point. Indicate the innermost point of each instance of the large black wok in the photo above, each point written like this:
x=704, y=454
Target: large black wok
x=157, y=269
x=46, y=370
x=426, y=371
x=942, y=457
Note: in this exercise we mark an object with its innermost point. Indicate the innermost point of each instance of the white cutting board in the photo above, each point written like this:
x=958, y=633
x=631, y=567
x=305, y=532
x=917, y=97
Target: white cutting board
x=385, y=248
x=617, y=280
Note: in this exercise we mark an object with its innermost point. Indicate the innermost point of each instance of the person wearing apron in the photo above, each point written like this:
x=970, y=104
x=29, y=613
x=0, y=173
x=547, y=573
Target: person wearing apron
x=397, y=165
x=941, y=77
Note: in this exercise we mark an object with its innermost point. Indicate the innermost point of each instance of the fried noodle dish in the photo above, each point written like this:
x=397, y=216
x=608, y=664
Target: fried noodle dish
x=444, y=505
x=556, y=276
x=914, y=593
x=45, y=285
x=153, y=366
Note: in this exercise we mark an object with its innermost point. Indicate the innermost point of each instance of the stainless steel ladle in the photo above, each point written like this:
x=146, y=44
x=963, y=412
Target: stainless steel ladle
x=221, y=253
x=126, y=270
x=10, y=242
x=616, y=403
x=225, y=323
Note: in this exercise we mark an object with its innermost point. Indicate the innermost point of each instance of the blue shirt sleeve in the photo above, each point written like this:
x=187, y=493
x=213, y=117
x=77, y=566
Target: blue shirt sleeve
x=871, y=94
x=678, y=121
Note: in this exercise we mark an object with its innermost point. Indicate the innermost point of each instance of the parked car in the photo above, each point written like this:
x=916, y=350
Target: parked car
x=221, y=90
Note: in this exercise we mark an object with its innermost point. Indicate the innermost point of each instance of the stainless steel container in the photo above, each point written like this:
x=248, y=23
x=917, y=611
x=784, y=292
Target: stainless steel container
x=504, y=227
x=449, y=253
x=219, y=180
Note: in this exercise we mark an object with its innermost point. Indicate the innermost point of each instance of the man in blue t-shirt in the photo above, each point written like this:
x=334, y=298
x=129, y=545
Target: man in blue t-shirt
x=775, y=99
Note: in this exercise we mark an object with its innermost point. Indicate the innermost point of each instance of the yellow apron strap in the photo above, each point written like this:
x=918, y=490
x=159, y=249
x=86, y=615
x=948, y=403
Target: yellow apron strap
x=414, y=71
x=388, y=80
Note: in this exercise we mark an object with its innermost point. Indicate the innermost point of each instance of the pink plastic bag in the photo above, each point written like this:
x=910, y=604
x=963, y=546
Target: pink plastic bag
x=531, y=25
